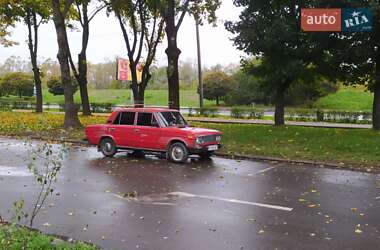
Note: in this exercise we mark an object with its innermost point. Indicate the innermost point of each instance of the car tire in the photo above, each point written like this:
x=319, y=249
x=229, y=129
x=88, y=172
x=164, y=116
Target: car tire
x=178, y=153
x=108, y=147
x=206, y=155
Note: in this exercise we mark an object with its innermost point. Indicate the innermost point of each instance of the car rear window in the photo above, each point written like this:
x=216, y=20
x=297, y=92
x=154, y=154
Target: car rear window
x=145, y=119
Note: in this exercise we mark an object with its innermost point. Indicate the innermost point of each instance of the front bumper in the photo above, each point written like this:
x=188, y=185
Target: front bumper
x=204, y=149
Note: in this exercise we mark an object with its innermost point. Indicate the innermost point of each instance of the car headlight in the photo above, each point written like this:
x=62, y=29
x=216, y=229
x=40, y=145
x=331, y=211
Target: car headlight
x=219, y=138
x=199, y=140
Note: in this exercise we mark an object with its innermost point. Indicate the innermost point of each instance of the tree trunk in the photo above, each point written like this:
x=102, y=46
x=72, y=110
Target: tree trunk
x=83, y=82
x=71, y=110
x=217, y=101
x=82, y=62
x=33, y=48
x=279, y=115
x=376, y=106
x=172, y=53
x=376, y=100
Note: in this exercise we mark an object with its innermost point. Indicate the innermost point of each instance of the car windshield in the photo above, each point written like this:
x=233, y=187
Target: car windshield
x=171, y=118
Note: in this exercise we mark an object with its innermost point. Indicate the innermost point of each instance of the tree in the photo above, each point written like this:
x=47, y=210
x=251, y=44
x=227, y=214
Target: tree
x=17, y=83
x=147, y=30
x=356, y=56
x=60, y=14
x=32, y=14
x=84, y=16
x=247, y=90
x=216, y=86
x=270, y=31
x=4, y=33
x=56, y=87
x=173, y=12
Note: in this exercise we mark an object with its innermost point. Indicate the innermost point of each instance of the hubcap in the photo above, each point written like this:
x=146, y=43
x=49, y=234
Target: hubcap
x=107, y=147
x=178, y=153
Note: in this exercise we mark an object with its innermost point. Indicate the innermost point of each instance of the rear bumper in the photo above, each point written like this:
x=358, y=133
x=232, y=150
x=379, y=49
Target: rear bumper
x=203, y=149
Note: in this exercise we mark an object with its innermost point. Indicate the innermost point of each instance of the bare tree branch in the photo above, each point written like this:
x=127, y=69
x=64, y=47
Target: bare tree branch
x=92, y=15
x=80, y=15
x=183, y=14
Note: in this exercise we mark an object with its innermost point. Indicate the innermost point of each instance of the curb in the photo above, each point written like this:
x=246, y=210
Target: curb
x=318, y=164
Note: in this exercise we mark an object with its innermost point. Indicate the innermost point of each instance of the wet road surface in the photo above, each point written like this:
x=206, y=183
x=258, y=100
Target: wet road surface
x=129, y=203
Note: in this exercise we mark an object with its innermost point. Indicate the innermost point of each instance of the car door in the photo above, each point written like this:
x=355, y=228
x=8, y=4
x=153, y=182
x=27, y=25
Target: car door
x=149, y=131
x=124, y=133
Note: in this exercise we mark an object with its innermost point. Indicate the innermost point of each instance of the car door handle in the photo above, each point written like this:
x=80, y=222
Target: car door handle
x=112, y=129
x=136, y=130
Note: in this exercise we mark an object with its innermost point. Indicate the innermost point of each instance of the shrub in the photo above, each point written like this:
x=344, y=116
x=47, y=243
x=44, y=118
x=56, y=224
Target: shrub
x=55, y=85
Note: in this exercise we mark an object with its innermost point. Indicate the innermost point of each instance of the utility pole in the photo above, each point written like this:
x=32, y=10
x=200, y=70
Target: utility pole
x=199, y=65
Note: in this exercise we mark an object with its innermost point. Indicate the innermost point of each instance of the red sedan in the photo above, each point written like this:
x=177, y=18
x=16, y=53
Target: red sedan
x=153, y=130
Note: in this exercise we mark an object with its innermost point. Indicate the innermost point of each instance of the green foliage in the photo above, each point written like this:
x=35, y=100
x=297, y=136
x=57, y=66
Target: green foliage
x=216, y=86
x=18, y=83
x=270, y=32
x=56, y=87
x=15, y=237
x=251, y=113
x=246, y=90
x=115, y=84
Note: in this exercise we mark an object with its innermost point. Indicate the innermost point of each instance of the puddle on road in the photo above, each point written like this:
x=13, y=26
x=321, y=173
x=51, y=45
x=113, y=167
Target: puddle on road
x=13, y=171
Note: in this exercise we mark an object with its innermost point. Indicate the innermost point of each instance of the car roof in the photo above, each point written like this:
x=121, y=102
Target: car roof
x=146, y=109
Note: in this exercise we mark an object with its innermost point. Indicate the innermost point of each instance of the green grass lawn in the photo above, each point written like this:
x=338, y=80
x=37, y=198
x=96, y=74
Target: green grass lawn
x=12, y=238
x=189, y=98
x=347, y=99
x=356, y=146
x=360, y=147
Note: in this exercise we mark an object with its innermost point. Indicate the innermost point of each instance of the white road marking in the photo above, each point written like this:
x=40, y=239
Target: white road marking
x=144, y=202
x=264, y=170
x=377, y=198
x=183, y=194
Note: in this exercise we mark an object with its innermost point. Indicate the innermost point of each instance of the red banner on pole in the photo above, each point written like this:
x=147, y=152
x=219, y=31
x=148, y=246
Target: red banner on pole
x=124, y=70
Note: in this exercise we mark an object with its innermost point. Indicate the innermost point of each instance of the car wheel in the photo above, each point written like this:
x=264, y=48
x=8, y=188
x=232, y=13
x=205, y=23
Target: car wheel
x=206, y=155
x=107, y=147
x=178, y=153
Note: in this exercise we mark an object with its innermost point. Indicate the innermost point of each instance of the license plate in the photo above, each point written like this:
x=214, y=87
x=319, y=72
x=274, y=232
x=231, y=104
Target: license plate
x=212, y=147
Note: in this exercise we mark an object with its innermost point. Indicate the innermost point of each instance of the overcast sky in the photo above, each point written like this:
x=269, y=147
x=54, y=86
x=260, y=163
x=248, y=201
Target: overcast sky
x=106, y=41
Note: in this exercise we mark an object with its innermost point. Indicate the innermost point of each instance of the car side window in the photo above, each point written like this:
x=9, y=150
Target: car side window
x=145, y=119
x=117, y=119
x=127, y=118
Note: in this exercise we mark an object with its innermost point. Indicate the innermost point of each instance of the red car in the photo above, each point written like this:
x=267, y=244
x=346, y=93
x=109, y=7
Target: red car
x=153, y=130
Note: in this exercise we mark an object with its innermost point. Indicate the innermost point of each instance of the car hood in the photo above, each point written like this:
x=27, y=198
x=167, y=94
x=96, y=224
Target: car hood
x=200, y=131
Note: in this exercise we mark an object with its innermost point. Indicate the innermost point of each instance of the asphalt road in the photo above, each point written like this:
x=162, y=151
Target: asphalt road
x=218, y=204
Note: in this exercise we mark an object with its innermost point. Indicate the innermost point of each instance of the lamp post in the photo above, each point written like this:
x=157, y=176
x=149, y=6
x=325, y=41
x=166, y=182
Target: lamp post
x=199, y=64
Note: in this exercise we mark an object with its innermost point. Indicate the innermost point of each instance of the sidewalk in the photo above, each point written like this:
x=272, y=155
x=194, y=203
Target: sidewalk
x=289, y=123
